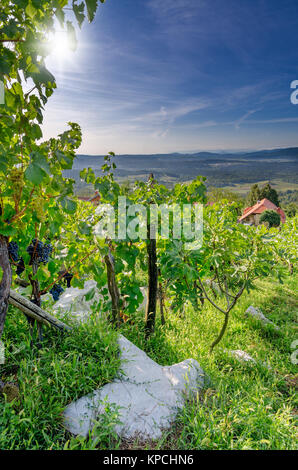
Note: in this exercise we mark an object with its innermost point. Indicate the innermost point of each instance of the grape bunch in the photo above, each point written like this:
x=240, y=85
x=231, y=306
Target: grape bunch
x=39, y=252
x=56, y=291
x=16, y=176
x=13, y=250
x=35, y=251
x=37, y=207
x=47, y=250
x=20, y=267
x=68, y=277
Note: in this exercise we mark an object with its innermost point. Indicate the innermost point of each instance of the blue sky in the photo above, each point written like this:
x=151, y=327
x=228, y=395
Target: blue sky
x=157, y=76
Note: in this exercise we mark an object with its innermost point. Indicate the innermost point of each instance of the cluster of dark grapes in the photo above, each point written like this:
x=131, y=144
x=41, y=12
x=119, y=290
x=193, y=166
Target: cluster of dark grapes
x=68, y=277
x=13, y=250
x=20, y=267
x=56, y=291
x=47, y=250
x=39, y=252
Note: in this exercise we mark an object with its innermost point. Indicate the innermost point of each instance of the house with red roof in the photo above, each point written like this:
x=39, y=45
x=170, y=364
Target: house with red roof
x=94, y=199
x=251, y=215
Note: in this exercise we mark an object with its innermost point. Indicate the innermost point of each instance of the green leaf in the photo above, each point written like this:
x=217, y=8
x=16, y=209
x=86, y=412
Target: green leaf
x=7, y=230
x=30, y=10
x=35, y=174
x=36, y=132
x=90, y=295
x=64, y=160
x=43, y=76
x=91, y=9
x=52, y=267
x=85, y=229
x=68, y=205
x=79, y=12
x=41, y=161
x=54, y=227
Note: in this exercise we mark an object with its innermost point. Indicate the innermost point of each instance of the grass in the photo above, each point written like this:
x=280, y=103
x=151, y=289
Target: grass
x=66, y=368
x=244, y=407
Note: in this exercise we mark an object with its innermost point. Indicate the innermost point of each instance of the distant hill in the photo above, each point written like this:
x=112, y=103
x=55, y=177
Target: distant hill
x=221, y=169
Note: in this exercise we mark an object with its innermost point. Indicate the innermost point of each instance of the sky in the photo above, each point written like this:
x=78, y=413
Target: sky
x=161, y=76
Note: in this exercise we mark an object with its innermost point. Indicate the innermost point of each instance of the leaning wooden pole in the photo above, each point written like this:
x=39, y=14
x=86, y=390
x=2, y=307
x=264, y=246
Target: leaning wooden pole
x=35, y=312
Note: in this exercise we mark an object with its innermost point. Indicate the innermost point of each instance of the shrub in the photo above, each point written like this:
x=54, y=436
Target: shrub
x=271, y=217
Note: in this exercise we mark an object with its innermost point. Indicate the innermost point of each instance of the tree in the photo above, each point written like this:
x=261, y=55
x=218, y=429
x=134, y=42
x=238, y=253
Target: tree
x=271, y=217
x=269, y=193
x=291, y=209
x=254, y=195
x=285, y=244
x=230, y=259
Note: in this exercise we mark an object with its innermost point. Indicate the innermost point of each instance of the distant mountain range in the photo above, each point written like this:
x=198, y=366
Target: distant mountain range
x=221, y=169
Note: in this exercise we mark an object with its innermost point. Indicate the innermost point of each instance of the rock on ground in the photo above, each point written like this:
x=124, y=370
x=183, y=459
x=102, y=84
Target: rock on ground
x=148, y=395
x=258, y=315
x=73, y=301
x=142, y=306
x=241, y=356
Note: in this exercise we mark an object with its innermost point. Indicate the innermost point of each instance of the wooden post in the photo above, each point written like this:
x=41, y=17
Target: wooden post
x=161, y=304
x=113, y=289
x=152, y=275
x=33, y=311
x=5, y=281
x=152, y=284
x=36, y=301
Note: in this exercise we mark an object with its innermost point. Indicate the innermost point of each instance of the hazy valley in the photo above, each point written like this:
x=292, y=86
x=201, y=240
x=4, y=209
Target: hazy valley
x=237, y=171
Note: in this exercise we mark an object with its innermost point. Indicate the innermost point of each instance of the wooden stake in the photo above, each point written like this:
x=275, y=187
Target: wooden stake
x=35, y=312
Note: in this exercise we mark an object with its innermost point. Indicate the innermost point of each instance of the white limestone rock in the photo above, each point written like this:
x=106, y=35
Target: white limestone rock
x=258, y=315
x=241, y=356
x=148, y=395
x=142, y=306
x=73, y=301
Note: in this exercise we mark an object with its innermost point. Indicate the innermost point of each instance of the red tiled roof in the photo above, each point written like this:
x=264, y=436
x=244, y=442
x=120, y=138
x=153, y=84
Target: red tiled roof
x=94, y=198
x=282, y=215
x=247, y=209
x=262, y=206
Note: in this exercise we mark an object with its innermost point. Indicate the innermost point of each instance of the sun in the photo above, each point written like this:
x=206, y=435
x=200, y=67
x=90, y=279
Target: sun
x=60, y=46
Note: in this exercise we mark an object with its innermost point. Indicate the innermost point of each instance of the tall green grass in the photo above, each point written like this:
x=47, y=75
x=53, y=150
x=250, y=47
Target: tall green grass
x=67, y=367
x=245, y=406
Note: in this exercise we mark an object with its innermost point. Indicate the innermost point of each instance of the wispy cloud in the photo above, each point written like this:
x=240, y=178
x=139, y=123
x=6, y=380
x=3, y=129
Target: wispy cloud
x=245, y=116
x=177, y=11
